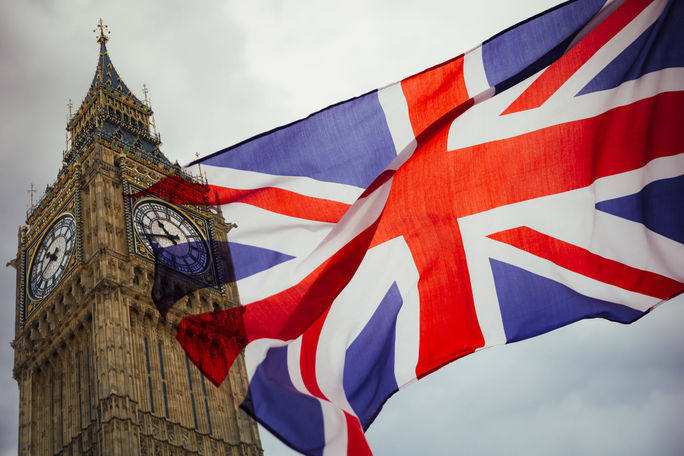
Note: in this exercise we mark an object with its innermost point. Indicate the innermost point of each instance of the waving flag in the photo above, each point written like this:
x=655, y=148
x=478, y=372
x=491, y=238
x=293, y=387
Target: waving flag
x=532, y=182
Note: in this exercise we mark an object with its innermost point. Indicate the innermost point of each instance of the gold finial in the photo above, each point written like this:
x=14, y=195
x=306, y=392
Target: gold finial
x=103, y=28
x=31, y=191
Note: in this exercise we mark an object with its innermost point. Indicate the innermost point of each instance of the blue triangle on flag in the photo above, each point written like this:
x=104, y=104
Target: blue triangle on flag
x=658, y=206
x=249, y=260
x=659, y=47
x=619, y=70
x=369, y=378
x=531, y=304
x=275, y=402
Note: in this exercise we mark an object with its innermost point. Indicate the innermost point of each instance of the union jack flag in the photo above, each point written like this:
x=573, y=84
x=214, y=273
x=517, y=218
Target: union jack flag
x=531, y=182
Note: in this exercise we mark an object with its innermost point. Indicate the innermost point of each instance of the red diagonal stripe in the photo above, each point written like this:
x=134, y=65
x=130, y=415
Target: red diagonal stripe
x=582, y=261
x=212, y=340
x=286, y=202
x=561, y=70
x=357, y=445
x=307, y=360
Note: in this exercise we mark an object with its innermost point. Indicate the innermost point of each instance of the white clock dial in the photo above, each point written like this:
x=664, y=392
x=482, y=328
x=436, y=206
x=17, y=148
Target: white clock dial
x=182, y=247
x=52, y=257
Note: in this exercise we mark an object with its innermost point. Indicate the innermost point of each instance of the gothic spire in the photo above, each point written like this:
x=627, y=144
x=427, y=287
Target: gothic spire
x=110, y=111
x=106, y=75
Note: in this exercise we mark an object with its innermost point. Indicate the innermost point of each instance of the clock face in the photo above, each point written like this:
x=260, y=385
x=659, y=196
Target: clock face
x=52, y=257
x=182, y=247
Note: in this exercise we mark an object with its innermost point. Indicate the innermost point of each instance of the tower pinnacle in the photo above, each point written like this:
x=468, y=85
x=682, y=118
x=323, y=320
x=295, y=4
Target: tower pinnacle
x=102, y=39
x=111, y=111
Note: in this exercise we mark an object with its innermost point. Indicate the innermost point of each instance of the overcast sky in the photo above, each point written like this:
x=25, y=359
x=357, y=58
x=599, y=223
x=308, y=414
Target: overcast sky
x=232, y=69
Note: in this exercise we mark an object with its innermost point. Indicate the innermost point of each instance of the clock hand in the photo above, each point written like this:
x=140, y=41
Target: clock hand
x=161, y=225
x=45, y=266
x=172, y=237
x=50, y=258
x=53, y=256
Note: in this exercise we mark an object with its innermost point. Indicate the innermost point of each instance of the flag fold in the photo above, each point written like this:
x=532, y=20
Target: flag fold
x=529, y=183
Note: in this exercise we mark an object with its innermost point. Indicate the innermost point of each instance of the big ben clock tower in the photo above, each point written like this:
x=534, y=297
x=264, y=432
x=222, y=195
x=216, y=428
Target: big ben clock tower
x=99, y=371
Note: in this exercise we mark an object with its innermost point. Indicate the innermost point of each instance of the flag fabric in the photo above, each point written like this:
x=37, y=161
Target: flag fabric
x=531, y=182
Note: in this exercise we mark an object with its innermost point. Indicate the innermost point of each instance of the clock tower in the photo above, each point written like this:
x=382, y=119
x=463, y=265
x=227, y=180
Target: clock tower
x=99, y=371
